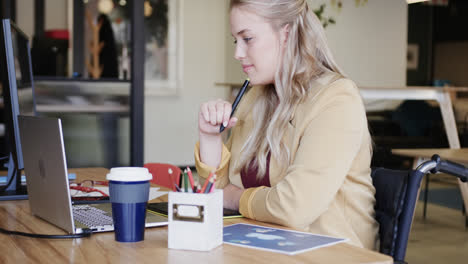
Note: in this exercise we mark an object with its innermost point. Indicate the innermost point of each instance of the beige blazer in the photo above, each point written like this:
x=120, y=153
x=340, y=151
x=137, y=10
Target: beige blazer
x=327, y=188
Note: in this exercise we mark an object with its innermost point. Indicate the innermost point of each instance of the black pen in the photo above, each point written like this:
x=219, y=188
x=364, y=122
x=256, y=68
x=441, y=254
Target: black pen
x=236, y=102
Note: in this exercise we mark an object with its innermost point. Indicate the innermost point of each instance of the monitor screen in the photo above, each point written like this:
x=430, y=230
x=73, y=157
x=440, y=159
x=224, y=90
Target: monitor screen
x=17, y=84
x=23, y=71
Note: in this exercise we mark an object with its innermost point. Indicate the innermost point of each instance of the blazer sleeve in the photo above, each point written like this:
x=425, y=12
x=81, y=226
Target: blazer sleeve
x=330, y=142
x=222, y=172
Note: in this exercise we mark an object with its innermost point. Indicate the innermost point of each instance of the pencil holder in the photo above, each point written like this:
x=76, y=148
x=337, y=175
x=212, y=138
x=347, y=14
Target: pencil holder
x=195, y=220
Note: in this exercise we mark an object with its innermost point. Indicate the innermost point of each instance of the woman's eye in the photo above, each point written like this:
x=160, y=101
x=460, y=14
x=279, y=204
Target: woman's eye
x=246, y=40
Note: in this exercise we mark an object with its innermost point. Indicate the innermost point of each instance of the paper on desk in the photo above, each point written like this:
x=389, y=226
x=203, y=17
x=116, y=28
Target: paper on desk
x=154, y=192
x=274, y=239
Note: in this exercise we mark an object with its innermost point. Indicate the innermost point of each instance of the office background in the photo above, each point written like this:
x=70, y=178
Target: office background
x=369, y=43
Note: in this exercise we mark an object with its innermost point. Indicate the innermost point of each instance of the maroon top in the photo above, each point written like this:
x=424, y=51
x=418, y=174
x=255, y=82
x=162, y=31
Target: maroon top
x=249, y=177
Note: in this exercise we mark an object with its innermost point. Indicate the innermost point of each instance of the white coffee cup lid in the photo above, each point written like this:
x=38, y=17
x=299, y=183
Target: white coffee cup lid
x=129, y=174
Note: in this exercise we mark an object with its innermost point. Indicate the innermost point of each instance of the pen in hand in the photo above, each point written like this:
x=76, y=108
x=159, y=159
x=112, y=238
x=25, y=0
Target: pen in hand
x=236, y=101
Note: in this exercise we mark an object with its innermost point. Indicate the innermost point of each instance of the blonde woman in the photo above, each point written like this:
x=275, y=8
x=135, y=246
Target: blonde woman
x=299, y=152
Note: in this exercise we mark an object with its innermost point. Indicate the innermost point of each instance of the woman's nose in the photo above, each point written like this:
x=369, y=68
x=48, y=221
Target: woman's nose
x=240, y=52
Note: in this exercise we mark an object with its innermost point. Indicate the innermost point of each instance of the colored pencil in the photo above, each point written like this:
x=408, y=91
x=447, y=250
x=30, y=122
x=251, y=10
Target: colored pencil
x=190, y=176
x=206, y=182
x=213, y=185
x=185, y=181
x=210, y=184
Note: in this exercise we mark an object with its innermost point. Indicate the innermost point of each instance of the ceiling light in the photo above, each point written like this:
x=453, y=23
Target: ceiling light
x=105, y=6
x=415, y=1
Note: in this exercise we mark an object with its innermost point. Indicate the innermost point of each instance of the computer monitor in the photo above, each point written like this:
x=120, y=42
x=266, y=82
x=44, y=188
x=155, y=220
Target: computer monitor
x=18, y=98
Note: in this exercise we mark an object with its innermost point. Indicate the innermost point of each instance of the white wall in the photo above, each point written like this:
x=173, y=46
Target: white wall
x=55, y=15
x=368, y=42
x=171, y=122
x=25, y=16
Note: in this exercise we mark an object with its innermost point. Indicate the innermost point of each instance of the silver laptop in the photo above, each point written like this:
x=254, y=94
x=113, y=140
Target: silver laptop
x=47, y=181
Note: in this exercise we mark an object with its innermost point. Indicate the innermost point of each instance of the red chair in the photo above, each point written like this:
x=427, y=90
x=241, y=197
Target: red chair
x=161, y=175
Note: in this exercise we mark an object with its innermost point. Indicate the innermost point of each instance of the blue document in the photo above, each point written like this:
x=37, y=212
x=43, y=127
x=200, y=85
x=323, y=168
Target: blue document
x=274, y=239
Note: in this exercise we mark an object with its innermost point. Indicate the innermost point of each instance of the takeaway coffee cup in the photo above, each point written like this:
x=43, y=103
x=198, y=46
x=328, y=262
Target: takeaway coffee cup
x=129, y=193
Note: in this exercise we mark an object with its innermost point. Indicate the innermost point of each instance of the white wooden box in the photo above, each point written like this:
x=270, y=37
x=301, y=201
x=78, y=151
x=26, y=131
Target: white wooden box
x=195, y=220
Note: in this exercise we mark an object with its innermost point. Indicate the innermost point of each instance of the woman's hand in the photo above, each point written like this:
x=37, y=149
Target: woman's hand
x=231, y=196
x=212, y=114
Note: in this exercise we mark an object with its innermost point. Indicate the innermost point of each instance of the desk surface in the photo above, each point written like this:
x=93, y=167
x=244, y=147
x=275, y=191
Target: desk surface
x=102, y=248
x=456, y=155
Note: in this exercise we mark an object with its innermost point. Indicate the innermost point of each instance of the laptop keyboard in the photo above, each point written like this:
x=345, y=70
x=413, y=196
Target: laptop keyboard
x=91, y=216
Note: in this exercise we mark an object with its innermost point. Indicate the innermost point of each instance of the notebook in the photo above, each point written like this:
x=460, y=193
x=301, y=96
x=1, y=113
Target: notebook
x=47, y=181
x=161, y=208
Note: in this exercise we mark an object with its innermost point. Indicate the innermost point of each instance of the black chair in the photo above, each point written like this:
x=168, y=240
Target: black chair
x=396, y=195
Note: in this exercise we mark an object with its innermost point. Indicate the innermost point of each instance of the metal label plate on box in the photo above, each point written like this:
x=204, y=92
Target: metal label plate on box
x=188, y=212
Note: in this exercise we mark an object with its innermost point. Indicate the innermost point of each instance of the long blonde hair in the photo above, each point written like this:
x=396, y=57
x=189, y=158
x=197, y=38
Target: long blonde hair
x=306, y=57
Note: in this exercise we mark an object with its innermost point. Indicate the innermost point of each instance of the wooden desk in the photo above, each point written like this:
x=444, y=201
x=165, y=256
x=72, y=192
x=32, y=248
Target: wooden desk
x=440, y=94
x=455, y=155
x=102, y=248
